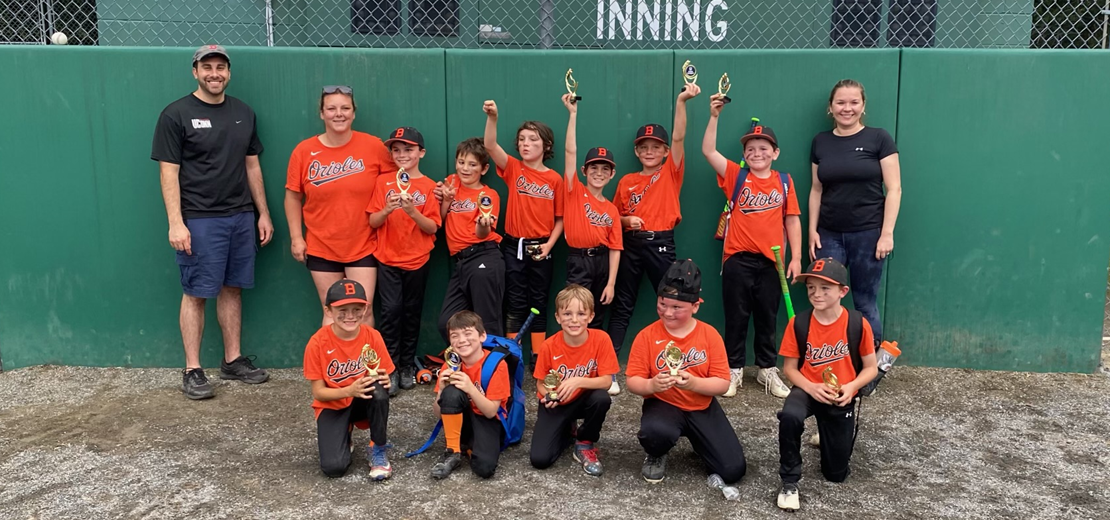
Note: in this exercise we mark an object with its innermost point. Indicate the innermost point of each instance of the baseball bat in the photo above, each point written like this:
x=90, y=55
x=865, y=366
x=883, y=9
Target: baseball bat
x=782, y=281
x=527, y=325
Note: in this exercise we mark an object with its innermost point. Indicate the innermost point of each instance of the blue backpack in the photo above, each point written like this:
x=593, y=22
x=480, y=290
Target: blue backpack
x=512, y=419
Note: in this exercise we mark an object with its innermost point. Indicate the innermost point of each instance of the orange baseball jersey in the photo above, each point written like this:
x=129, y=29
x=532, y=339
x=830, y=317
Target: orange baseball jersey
x=401, y=243
x=594, y=358
x=704, y=356
x=654, y=198
x=462, y=216
x=337, y=184
x=828, y=347
x=535, y=199
x=757, y=219
x=589, y=221
x=499, y=389
x=339, y=363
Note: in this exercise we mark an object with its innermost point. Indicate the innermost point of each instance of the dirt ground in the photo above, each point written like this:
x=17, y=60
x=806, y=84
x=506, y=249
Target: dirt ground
x=124, y=443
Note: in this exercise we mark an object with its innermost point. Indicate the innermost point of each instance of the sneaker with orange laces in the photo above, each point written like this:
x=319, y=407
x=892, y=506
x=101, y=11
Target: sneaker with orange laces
x=585, y=453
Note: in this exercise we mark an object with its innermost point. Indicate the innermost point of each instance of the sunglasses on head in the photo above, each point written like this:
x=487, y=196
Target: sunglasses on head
x=341, y=89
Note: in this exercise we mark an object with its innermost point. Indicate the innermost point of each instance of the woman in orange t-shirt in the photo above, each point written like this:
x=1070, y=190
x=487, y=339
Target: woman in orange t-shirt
x=330, y=180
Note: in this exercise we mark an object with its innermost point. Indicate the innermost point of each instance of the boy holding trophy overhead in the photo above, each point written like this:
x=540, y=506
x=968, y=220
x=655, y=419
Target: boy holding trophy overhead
x=405, y=241
x=349, y=368
x=830, y=355
x=573, y=371
x=678, y=364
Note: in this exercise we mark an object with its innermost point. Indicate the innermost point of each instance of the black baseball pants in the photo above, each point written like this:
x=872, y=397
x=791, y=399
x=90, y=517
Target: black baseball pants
x=836, y=425
x=401, y=298
x=552, y=433
x=590, y=269
x=645, y=252
x=333, y=430
x=482, y=434
x=751, y=289
x=477, y=284
x=708, y=430
x=527, y=284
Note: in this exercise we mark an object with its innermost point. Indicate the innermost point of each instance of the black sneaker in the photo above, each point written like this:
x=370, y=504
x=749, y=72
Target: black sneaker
x=394, y=383
x=655, y=469
x=408, y=377
x=446, y=464
x=195, y=385
x=242, y=369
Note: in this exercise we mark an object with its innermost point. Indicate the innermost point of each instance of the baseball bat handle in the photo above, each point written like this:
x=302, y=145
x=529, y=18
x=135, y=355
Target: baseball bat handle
x=782, y=282
x=532, y=313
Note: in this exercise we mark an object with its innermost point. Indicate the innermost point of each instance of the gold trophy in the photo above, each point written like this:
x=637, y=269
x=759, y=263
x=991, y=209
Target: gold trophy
x=723, y=86
x=572, y=86
x=453, y=362
x=485, y=205
x=689, y=74
x=403, y=182
x=550, y=382
x=370, y=360
x=830, y=380
x=673, y=356
x=535, y=251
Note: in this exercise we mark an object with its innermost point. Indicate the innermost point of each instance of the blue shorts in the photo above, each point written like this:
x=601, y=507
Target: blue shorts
x=223, y=254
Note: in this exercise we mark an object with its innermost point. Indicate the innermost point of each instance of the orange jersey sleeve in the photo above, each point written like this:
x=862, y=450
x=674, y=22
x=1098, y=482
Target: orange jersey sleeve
x=757, y=220
x=401, y=242
x=589, y=221
x=654, y=198
x=463, y=213
x=703, y=356
x=534, y=199
x=828, y=347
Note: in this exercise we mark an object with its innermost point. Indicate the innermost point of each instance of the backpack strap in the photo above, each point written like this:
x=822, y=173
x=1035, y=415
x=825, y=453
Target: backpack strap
x=741, y=178
x=428, y=443
x=801, y=334
x=855, y=336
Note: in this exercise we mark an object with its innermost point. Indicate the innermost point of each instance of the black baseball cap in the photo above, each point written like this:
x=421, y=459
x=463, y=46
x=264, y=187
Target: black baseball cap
x=345, y=292
x=652, y=131
x=405, y=134
x=681, y=282
x=210, y=50
x=827, y=269
x=760, y=132
x=599, y=154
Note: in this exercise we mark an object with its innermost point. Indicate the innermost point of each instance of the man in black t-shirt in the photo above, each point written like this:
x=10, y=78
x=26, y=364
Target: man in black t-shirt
x=207, y=152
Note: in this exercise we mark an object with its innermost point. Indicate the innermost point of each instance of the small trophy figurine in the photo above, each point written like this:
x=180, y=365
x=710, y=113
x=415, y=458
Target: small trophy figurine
x=403, y=181
x=485, y=205
x=572, y=86
x=535, y=251
x=723, y=86
x=550, y=382
x=830, y=380
x=673, y=356
x=689, y=74
x=370, y=360
x=453, y=361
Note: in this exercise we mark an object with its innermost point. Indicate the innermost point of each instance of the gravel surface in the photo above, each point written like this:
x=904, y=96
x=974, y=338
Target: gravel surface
x=934, y=443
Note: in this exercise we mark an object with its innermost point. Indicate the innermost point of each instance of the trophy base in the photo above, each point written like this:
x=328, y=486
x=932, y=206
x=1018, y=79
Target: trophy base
x=726, y=100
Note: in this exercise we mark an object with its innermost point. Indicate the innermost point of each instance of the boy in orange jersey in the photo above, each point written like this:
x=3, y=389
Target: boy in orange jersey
x=815, y=343
x=344, y=394
x=533, y=220
x=763, y=210
x=649, y=208
x=585, y=362
x=683, y=405
x=469, y=209
x=405, y=241
x=469, y=413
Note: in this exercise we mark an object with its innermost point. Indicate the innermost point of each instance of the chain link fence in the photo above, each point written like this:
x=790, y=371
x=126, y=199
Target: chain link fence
x=577, y=24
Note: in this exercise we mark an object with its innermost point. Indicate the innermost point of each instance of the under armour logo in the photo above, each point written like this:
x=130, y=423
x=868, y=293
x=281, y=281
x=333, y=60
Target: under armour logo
x=860, y=150
x=849, y=415
x=663, y=249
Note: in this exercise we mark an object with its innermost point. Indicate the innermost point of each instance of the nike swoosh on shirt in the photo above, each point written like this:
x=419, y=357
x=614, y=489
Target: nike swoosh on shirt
x=660, y=341
x=315, y=153
x=557, y=357
x=330, y=351
x=239, y=121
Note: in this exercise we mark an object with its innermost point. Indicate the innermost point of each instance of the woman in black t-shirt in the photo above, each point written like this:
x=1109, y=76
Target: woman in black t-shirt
x=851, y=218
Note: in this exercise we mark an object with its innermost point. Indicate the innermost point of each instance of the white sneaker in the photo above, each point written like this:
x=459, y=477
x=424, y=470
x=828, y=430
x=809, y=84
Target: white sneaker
x=735, y=381
x=815, y=441
x=772, y=383
x=788, y=497
x=615, y=388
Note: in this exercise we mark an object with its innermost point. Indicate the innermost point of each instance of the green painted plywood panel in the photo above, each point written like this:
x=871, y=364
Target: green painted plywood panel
x=1001, y=247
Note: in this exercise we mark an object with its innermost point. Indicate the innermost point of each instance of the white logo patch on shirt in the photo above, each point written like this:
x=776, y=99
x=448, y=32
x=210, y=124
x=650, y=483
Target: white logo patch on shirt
x=202, y=123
